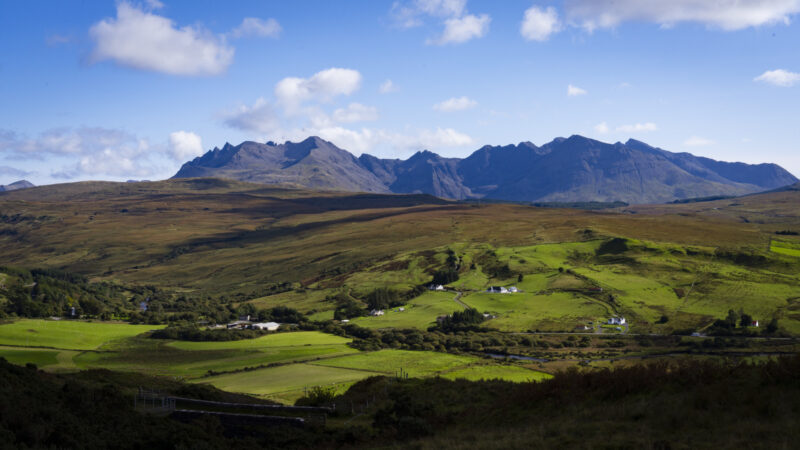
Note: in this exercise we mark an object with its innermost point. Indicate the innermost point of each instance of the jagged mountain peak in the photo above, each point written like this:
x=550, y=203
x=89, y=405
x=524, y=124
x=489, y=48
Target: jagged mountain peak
x=576, y=168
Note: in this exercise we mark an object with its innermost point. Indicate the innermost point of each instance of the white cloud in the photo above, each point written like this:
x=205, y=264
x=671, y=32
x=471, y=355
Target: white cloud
x=637, y=127
x=355, y=112
x=185, y=145
x=462, y=29
x=443, y=8
x=322, y=86
x=455, y=104
x=601, y=128
x=368, y=139
x=574, y=91
x=538, y=23
x=298, y=113
x=87, y=151
x=723, y=14
x=409, y=14
x=779, y=77
x=6, y=171
x=146, y=41
x=253, y=26
x=697, y=141
x=260, y=117
x=459, y=25
x=154, y=4
x=387, y=87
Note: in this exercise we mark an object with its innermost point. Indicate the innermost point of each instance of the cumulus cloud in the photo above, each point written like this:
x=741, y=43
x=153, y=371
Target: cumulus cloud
x=299, y=112
x=146, y=41
x=6, y=171
x=779, y=77
x=154, y=4
x=459, y=25
x=88, y=151
x=637, y=127
x=722, y=14
x=322, y=86
x=253, y=26
x=697, y=141
x=410, y=14
x=355, y=112
x=387, y=87
x=601, y=128
x=461, y=29
x=539, y=23
x=574, y=91
x=261, y=117
x=369, y=139
x=455, y=104
x=184, y=145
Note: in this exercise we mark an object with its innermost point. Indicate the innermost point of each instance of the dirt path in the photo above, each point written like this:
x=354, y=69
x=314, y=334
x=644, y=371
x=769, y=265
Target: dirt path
x=457, y=299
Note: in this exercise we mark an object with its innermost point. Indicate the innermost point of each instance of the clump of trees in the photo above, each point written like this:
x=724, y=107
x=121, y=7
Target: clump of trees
x=467, y=319
x=739, y=323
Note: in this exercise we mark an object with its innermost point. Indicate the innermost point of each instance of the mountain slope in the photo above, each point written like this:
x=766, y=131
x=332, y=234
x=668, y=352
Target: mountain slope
x=21, y=184
x=566, y=169
x=313, y=163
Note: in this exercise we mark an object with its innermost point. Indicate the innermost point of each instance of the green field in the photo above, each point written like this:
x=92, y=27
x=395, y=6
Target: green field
x=285, y=382
x=388, y=362
x=419, y=313
x=524, y=311
x=23, y=356
x=294, y=339
x=493, y=372
x=784, y=247
x=196, y=359
x=67, y=335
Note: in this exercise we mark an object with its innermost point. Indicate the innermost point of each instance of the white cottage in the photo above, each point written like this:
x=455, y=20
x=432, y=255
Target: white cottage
x=617, y=321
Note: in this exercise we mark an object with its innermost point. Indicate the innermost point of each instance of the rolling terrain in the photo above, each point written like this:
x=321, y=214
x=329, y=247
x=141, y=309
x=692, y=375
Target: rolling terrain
x=564, y=170
x=272, y=246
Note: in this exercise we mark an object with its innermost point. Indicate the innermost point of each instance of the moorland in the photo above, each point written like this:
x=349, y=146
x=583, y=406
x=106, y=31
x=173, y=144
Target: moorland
x=139, y=274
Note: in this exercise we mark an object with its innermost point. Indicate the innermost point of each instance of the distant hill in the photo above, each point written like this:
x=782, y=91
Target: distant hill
x=574, y=169
x=21, y=184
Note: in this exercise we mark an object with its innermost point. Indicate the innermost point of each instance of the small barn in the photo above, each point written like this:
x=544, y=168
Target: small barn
x=497, y=290
x=268, y=326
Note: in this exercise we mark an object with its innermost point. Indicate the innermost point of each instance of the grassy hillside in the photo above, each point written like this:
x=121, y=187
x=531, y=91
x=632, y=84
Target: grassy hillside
x=218, y=241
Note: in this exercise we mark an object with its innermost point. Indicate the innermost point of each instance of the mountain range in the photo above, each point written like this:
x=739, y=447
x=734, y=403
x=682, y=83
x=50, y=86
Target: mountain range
x=21, y=184
x=564, y=170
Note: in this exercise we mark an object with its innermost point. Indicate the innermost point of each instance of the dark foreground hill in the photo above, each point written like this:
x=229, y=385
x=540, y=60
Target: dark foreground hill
x=564, y=170
x=694, y=404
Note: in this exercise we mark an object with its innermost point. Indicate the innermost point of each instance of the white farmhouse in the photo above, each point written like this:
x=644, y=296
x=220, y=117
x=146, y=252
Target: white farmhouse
x=497, y=290
x=376, y=312
x=269, y=326
x=617, y=321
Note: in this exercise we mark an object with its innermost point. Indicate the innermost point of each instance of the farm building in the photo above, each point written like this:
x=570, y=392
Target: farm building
x=617, y=321
x=497, y=290
x=376, y=312
x=436, y=287
x=242, y=324
x=754, y=323
x=269, y=326
x=513, y=289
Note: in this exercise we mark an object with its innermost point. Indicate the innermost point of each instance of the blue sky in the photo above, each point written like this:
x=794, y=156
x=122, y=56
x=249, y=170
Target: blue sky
x=132, y=89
